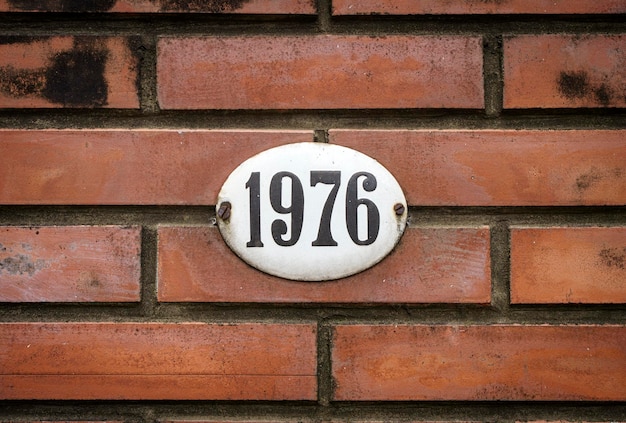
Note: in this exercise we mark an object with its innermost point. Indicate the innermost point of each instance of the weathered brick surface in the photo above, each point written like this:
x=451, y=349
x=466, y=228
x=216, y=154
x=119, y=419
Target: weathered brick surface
x=502, y=121
x=126, y=166
x=163, y=6
x=440, y=265
x=69, y=264
x=564, y=71
x=493, y=168
x=65, y=71
x=540, y=363
x=462, y=7
x=182, y=361
x=320, y=72
x=568, y=265
x=433, y=167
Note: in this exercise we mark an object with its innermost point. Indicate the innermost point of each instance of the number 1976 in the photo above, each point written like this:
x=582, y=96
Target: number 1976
x=296, y=208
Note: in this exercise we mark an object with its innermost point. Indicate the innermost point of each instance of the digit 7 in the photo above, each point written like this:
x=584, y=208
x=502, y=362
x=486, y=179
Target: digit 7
x=330, y=177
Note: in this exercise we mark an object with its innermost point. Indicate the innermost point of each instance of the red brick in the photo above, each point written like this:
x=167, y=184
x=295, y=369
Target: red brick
x=500, y=168
x=568, y=265
x=500, y=362
x=563, y=71
x=155, y=6
x=125, y=166
x=65, y=71
x=440, y=265
x=184, y=361
x=320, y=72
x=463, y=7
x=70, y=264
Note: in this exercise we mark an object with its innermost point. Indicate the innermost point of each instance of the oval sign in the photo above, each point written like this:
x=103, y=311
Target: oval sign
x=311, y=211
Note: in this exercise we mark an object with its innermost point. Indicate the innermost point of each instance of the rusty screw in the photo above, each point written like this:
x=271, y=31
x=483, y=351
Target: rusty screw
x=224, y=211
x=399, y=209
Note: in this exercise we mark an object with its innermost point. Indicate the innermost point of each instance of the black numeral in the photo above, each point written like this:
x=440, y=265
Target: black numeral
x=353, y=202
x=254, y=184
x=331, y=177
x=295, y=209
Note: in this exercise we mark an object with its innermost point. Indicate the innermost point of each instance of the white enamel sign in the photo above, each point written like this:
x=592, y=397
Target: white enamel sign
x=311, y=211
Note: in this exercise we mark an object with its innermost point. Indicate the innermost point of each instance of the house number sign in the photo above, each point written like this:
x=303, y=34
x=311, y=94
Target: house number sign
x=311, y=211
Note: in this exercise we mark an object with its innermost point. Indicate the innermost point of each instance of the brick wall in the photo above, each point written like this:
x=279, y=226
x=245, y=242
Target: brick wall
x=503, y=121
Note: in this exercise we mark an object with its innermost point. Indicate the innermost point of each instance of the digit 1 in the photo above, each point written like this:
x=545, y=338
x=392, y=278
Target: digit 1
x=254, y=185
x=352, y=204
x=295, y=209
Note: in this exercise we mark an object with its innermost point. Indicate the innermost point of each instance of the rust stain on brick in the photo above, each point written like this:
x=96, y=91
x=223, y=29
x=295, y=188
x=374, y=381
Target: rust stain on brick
x=577, y=85
x=603, y=94
x=585, y=181
x=573, y=85
x=74, y=78
x=613, y=257
x=595, y=176
x=212, y=6
x=23, y=83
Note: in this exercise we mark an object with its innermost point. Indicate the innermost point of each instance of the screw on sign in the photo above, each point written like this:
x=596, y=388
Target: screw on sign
x=224, y=210
x=311, y=211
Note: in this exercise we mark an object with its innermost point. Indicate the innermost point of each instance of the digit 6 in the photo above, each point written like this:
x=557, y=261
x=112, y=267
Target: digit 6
x=353, y=202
